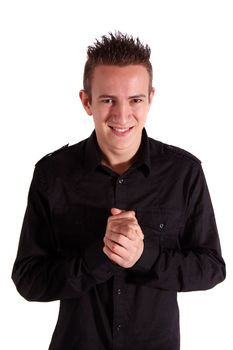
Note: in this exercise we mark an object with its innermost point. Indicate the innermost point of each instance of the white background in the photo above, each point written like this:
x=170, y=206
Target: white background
x=43, y=50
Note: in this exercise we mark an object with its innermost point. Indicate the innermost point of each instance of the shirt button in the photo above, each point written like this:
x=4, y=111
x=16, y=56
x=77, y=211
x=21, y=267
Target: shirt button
x=118, y=291
x=119, y=327
x=121, y=181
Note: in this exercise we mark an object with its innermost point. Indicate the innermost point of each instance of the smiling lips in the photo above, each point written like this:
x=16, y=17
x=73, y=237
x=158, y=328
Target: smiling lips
x=121, y=131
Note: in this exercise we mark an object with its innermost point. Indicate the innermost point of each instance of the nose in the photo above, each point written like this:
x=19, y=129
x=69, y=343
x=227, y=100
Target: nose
x=121, y=113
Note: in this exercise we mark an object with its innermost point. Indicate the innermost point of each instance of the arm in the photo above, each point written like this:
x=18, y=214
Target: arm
x=41, y=272
x=191, y=261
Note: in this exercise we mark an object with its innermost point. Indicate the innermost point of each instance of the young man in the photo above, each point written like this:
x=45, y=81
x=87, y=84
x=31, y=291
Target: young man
x=119, y=223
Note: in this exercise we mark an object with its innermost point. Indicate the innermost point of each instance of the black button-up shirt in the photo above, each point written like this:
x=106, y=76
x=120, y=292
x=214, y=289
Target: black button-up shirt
x=60, y=256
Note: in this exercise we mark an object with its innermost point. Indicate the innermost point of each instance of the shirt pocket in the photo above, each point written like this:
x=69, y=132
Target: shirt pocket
x=160, y=224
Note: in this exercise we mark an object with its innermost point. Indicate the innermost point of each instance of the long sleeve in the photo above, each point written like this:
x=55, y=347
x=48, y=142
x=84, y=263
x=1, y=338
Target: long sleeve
x=192, y=259
x=41, y=272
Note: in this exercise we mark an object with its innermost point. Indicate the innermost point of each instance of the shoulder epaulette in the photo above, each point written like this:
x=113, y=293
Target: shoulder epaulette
x=182, y=152
x=52, y=153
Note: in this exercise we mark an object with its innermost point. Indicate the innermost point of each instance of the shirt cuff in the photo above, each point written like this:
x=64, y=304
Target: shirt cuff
x=149, y=256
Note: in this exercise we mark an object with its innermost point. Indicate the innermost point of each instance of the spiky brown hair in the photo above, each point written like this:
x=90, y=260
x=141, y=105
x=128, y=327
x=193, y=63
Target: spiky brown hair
x=116, y=49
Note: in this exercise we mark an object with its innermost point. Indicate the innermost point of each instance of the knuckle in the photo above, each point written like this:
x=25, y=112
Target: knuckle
x=114, y=246
x=111, y=255
x=109, y=223
x=131, y=236
x=110, y=220
x=120, y=239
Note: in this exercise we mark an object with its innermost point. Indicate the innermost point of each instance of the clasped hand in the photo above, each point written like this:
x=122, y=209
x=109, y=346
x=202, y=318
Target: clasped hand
x=123, y=238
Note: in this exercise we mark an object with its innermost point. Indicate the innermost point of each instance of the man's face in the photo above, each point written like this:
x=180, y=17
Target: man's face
x=120, y=103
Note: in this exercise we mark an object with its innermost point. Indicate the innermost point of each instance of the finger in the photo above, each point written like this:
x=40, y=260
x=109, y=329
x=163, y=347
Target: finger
x=121, y=256
x=118, y=239
x=122, y=246
x=119, y=250
x=128, y=230
x=124, y=226
x=118, y=213
x=112, y=256
x=115, y=247
x=114, y=220
x=139, y=232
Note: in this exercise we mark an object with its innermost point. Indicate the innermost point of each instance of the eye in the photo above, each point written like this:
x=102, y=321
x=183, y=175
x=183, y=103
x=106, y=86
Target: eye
x=136, y=100
x=107, y=100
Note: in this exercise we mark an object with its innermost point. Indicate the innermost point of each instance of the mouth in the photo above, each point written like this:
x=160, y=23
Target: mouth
x=121, y=131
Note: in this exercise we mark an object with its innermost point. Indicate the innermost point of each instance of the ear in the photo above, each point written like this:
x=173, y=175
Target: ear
x=85, y=101
x=152, y=93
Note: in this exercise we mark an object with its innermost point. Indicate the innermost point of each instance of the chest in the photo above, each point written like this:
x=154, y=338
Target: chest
x=80, y=208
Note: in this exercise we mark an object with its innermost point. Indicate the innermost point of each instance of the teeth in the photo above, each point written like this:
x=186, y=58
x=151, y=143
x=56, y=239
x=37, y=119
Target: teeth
x=120, y=130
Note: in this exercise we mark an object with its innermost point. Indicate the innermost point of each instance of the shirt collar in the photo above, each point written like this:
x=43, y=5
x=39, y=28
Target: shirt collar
x=93, y=154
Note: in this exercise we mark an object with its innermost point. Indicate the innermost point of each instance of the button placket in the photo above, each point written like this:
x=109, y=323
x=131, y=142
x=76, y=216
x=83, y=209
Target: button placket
x=118, y=327
x=119, y=310
x=118, y=291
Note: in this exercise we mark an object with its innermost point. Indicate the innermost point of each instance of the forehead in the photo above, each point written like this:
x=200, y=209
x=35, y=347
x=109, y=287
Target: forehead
x=115, y=78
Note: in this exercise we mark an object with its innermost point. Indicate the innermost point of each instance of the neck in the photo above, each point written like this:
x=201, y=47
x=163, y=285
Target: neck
x=119, y=161
x=119, y=167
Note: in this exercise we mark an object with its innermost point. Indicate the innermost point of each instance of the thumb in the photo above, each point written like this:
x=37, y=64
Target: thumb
x=116, y=211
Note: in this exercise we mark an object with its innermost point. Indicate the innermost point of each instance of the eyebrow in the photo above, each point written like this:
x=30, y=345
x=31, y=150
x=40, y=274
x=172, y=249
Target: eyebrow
x=130, y=97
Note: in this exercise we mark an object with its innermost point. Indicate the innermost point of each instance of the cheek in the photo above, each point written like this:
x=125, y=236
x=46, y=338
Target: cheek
x=102, y=111
x=141, y=112
x=100, y=117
